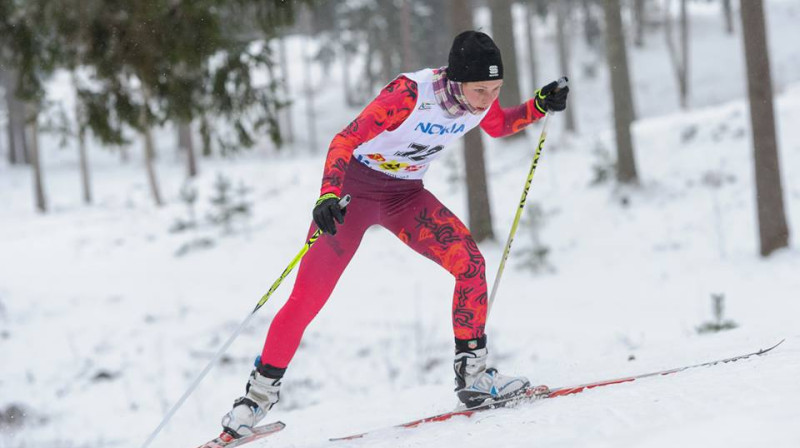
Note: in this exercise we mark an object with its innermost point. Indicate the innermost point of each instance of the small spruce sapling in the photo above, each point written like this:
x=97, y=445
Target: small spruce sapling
x=222, y=213
x=188, y=195
x=535, y=257
x=719, y=323
x=243, y=206
x=228, y=208
x=604, y=168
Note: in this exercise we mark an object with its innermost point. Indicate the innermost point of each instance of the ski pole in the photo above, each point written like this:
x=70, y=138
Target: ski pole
x=562, y=82
x=313, y=239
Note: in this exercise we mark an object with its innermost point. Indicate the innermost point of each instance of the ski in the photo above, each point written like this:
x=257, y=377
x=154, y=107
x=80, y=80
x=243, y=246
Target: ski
x=534, y=393
x=225, y=440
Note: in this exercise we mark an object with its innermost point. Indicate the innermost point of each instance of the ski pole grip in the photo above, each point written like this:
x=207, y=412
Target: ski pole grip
x=344, y=201
x=562, y=82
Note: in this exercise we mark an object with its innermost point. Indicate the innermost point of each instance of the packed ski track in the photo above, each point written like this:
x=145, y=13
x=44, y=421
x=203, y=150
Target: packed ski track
x=103, y=326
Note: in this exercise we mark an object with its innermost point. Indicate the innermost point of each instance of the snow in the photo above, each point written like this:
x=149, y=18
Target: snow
x=103, y=327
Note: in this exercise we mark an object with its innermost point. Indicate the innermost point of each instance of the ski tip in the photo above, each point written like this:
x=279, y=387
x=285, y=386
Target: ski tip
x=270, y=428
x=343, y=439
x=765, y=350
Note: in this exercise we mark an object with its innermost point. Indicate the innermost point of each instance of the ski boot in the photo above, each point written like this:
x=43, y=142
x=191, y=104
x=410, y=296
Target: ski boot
x=475, y=384
x=261, y=394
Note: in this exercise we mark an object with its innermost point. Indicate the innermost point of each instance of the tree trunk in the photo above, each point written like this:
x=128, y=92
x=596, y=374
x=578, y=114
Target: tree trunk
x=461, y=18
x=529, y=26
x=186, y=144
x=772, y=228
x=409, y=61
x=591, y=27
x=3, y=132
x=435, y=54
x=503, y=36
x=369, y=75
x=124, y=156
x=621, y=92
x=727, y=13
x=562, y=15
x=288, y=127
x=349, y=95
x=149, y=161
x=17, y=139
x=684, y=82
x=82, y=154
x=638, y=23
x=12, y=155
x=308, y=88
x=205, y=137
x=680, y=59
x=480, y=213
x=344, y=47
x=387, y=44
x=22, y=111
x=84, y=162
x=149, y=152
x=36, y=162
x=593, y=36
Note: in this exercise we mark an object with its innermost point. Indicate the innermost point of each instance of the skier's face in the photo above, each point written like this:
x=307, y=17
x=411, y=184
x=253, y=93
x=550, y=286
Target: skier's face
x=481, y=94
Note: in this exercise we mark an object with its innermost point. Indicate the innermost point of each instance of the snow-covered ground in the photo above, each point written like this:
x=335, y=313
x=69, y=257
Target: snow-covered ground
x=103, y=326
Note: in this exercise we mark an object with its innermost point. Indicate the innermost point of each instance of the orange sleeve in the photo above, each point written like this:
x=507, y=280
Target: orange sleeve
x=386, y=112
x=500, y=122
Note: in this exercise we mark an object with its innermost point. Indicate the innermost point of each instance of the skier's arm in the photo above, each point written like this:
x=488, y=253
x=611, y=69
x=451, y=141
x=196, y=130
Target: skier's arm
x=500, y=122
x=386, y=112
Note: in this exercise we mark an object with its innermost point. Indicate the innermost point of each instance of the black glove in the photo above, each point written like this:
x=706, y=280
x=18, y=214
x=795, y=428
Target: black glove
x=326, y=210
x=551, y=98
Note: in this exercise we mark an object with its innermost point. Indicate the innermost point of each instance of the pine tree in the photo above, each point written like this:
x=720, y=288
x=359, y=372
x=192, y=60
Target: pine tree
x=151, y=63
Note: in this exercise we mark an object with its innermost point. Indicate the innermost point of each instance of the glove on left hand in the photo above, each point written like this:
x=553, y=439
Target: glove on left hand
x=551, y=98
x=326, y=210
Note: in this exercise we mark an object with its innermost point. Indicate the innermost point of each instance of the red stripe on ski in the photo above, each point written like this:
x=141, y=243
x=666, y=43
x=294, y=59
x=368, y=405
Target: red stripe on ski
x=438, y=418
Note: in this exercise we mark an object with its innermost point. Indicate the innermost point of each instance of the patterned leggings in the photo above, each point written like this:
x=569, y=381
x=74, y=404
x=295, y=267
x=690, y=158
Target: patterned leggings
x=411, y=212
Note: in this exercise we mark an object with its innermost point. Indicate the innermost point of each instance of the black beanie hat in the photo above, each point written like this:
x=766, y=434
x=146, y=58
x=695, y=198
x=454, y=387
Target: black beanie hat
x=474, y=57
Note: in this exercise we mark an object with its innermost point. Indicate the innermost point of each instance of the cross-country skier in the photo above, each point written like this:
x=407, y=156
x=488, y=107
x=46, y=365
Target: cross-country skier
x=379, y=160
